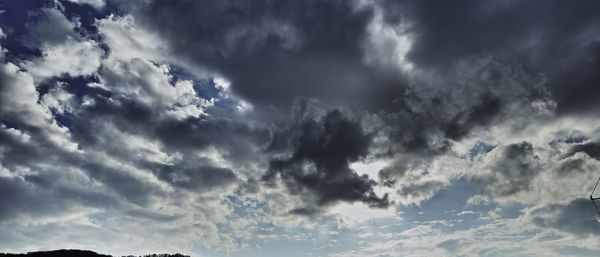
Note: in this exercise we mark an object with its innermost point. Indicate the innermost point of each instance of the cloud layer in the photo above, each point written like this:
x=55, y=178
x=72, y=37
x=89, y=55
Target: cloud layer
x=270, y=127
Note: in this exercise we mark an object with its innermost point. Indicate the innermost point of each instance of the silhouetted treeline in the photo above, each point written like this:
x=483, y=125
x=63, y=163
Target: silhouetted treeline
x=57, y=253
x=80, y=253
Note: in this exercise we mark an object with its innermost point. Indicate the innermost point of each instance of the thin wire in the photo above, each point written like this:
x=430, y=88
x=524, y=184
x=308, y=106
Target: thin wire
x=595, y=188
x=592, y=198
x=596, y=207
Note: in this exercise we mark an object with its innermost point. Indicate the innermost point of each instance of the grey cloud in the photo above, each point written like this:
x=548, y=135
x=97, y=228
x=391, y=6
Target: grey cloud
x=577, y=217
x=185, y=137
x=591, y=148
x=41, y=155
x=534, y=34
x=15, y=151
x=450, y=245
x=141, y=169
x=28, y=140
x=17, y=197
x=292, y=50
x=49, y=26
x=479, y=92
x=569, y=166
x=28, y=134
x=480, y=114
x=505, y=29
x=233, y=138
x=508, y=170
x=576, y=89
x=579, y=157
x=137, y=213
x=192, y=176
x=319, y=164
x=319, y=55
x=390, y=175
x=421, y=189
x=50, y=193
x=138, y=98
x=132, y=188
x=38, y=154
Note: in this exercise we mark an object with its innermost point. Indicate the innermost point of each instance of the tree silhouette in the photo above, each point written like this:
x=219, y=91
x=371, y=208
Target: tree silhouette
x=80, y=253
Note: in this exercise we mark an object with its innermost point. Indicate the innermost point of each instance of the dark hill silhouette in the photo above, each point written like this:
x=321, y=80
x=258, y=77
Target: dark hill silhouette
x=80, y=253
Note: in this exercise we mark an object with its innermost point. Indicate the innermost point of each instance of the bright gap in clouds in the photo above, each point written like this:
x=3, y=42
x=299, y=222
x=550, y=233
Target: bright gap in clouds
x=369, y=168
x=357, y=213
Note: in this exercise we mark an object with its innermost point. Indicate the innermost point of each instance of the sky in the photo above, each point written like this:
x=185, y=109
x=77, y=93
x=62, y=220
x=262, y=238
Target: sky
x=300, y=128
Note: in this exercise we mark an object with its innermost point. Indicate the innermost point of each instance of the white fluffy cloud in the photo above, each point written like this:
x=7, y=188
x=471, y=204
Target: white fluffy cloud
x=128, y=40
x=63, y=50
x=69, y=58
x=98, y=4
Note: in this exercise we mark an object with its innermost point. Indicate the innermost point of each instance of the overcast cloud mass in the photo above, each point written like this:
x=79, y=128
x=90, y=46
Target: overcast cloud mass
x=294, y=128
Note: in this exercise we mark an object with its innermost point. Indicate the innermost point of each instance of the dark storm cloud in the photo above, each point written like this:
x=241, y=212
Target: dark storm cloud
x=591, y=148
x=17, y=152
x=508, y=170
x=577, y=89
x=275, y=52
x=578, y=217
x=479, y=92
x=447, y=31
x=413, y=131
x=196, y=133
x=50, y=193
x=131, y=188
x=319, y=164
x=480, y=114
x=543, y=36
x=16, y=196
x=191, y=176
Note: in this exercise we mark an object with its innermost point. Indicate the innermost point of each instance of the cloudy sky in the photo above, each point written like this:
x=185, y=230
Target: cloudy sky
x=300, y=128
